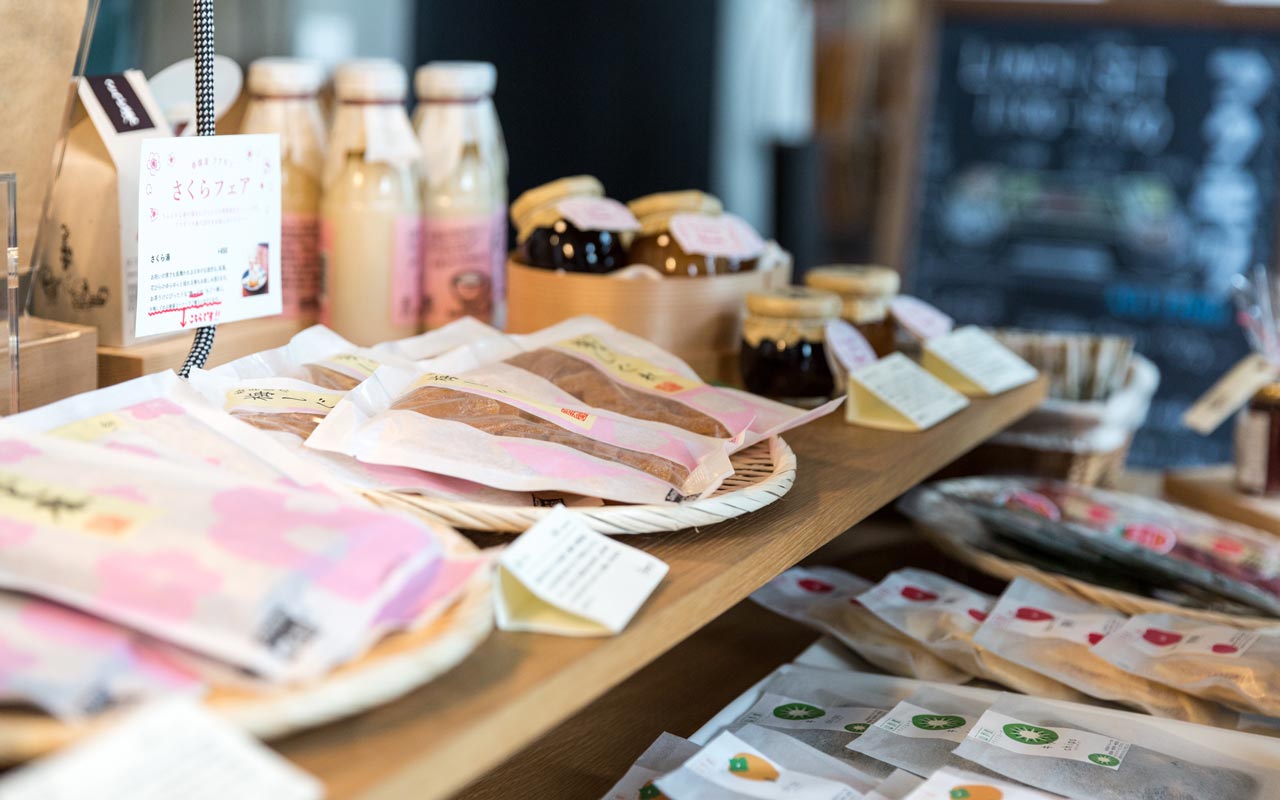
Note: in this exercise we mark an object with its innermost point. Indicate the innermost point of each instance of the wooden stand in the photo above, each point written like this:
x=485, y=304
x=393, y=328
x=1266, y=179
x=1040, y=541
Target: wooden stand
x=1213, y=491
x=57, y=361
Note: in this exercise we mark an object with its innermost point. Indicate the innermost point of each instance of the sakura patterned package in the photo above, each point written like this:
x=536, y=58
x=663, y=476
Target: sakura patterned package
x=281, y=583
x=826, y=599
x=943, y=616
x=1234, y=666
x=317, y=356
x=518, y=433
x=73, y=665
x=1052, y=633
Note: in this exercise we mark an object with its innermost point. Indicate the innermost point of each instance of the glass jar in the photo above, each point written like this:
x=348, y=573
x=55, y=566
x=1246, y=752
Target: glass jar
x=1257, y=445
x=464, y=193
x=783, y=354
x=283, y=99
x=372, y=213
x=687, y=235
x=865, y=293
x=569, y=224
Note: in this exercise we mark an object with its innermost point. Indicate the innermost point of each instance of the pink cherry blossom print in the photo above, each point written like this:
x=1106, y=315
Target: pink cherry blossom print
x=384, y=542
x=253, y=523
x=130, y=493
x=12, y=451
x=167, y=584
x=12, y=659
x=72, y=627
x=163, y=667
x=132, y=449
x=151, y=409
x=13, y=532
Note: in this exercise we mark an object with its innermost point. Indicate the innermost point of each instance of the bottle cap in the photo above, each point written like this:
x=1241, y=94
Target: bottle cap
x=856, y=281
x=370, y=80
x=276, y=77
x=794, y=302
x=536, y=208
x=655, y=210
x=455, y=80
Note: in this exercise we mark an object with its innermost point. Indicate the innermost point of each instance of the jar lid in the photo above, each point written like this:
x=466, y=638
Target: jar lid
x=371, y=80
x=855, y=280
x=655, y=210
x=455, y=80
x=796, y=302
x=285, y=76
x=537, y=206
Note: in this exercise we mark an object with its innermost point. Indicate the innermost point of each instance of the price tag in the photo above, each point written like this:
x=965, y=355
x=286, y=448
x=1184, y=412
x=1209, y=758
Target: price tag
x=1231, y=392
x=895, y=393
x=598, y=214
x=972, y=361
x=920, y=319
x=208, y=231
x=720, y=235
x=849, y=347
x=562, y=577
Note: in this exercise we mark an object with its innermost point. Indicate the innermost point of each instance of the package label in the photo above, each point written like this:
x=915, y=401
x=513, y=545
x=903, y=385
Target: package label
x=300, y=265
x=463, y=263
x=598, y=214
x=635, y=371
x=1027, y=739
x=787, y=713
x=1085, y=629
x=406, y=271
x=1209, y=640
x=914, y=722
x=281, y=400
x=716, y=235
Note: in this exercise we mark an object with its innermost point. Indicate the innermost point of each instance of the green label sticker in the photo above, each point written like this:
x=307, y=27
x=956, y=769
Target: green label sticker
x=649, y=791
x=960, y=794
x=1104, y=760
x=798, y=711
x=1033, y=735
x=937, y=722
x=857, y=727
x=739, y=764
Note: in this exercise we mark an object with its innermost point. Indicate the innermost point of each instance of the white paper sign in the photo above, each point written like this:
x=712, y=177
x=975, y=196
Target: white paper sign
x=896, y=393
x=208, y=231
x=172, y=748
x=847, y=345
x=972, y=360
x=562, y=577
x=920, y=319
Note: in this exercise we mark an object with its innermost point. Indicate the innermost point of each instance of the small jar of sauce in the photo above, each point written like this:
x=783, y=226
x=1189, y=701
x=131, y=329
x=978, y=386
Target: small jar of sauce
x=865, y=293
x=569, y=224
x=784, y=355
x=687, y=235
x=1257, y=446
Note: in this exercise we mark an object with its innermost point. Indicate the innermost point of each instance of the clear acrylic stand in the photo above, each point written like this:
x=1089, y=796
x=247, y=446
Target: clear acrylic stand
x=13, y=310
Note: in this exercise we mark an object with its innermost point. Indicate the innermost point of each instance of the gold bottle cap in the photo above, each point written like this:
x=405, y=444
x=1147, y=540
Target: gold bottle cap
x=536, y=208
x=655, y=210
x=794, y=302
x=850, y=280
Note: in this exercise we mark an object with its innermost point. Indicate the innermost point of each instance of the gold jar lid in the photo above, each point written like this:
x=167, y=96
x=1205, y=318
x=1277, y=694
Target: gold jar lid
x=794, y=302
x=536, y=208
x=852, y=280
x=1268, y=394
x=655, y=210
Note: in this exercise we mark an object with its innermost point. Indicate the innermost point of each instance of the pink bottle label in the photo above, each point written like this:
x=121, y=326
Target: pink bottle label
x=463, y=266
x=326, y=248
x=406, y=271
x=300, y=265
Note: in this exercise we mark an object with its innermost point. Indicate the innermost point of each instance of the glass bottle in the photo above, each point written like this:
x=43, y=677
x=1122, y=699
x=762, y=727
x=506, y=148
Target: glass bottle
x=865, y=293
x=569, y=224
x=784, y=353
x=687, y=235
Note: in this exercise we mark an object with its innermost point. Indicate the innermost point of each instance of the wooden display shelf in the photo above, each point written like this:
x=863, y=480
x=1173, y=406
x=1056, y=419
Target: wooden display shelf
x=517, y=687
x=1213, y=491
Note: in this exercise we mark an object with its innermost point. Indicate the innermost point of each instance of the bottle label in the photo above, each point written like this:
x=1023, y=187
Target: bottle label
x=598, y=214
x=326, y=249
x=406, y=271
x=463, y=261
x=719, y=236
x=300, y=265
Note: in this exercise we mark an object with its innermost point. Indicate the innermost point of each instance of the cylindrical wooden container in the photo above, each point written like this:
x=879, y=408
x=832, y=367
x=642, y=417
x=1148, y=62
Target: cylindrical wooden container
x=698, y=319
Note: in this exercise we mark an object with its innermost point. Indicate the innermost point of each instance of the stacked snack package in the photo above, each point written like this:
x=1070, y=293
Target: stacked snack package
x=729, y=767
x=959, y=784
x=1234, y=666
x=919, y=734
x=944, y=616
x=1052, y=633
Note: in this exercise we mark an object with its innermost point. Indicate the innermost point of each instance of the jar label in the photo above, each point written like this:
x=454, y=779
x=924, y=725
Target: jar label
x=406, y=271
x=719, y=236
x=463, y=261
x=598, y=214
x=920, y=319
x=849, y=347
x=300, y=265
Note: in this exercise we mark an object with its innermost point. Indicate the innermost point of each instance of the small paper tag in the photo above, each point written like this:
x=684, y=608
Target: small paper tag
x=562, y=577
x=920, y=319
x=850, y=348
x=1209, y=640
x=718, y=236
x=949, y=783
x=208, y=231
x=914, y=722
x=1039, y=623
x=281, y=401
x=171, y=748
x=1026, y=739
x=1231, y=392
x=983, y=365
x=908, y=390
x=598, y=214
x=787, y=713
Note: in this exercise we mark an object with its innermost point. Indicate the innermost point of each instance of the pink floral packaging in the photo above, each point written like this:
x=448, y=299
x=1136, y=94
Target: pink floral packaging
x=73, y=665
x=284, y=584
x=1237, y=667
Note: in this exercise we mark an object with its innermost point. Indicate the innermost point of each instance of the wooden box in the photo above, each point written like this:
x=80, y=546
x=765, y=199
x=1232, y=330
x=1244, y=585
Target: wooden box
x=57, y=361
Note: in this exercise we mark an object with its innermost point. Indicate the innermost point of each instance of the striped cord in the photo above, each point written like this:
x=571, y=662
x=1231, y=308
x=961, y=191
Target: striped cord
x=202, y=23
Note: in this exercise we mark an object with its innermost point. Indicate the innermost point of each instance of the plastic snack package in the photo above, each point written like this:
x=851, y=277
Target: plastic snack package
x=794, y=754
x=283, y=584
x=729, y=768
x=950, y=783
x=944, y=616
x=510, y=432
x=439, y=341
x=826, y=599
x=1083, y=753
x=666, y=754
x=895, y=787
x=317, y=356
x=1237, y=667
x=73, y=665
x=920, y=733
x=1052, y=633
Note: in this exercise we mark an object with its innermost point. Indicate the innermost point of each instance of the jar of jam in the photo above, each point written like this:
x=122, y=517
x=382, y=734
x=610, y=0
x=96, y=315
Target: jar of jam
x=1257, y=446
x=865, y=292
x=687, y=235
x=569, y=224
x=783, y=352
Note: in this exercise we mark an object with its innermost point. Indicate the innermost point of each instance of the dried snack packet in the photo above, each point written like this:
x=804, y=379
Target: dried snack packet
x=944, y=616
x=439, y=341
x=73, y=665
x=1083, y=753
x=281, y=583
x=895, y=787
x=1234, y=666
x=1052, y=633
x=666, y=754
x=511, y=433
x=951, y=783
x=793, y=753
x=920, y=733
x=826, y=599
x=317, y=356
x=729, y=768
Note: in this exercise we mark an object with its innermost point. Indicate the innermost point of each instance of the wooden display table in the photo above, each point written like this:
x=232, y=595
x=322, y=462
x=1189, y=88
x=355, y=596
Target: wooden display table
x=517, y=687
x=1213, y=490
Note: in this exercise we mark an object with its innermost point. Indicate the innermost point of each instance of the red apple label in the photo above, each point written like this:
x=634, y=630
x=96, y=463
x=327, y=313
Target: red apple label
x=1094, y=638
x=1153, y=537
x=1032, y=614
x=1161, y=638
x=917, y=595
x=980, y=616
x=853, y=601
x=1099, y=513
x=815, y=586
x=1034, y=502
x=1225, y=649
x=1228, y=547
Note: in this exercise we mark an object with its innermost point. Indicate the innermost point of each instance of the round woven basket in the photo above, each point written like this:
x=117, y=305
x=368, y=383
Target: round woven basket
x=762, y=473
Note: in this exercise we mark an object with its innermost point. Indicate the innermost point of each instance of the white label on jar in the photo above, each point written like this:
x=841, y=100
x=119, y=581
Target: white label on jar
x=1253, y=450
x=719, y=236
x=1208, y=640
x=1026, y=739
x=920, y=319
x=598, y=214
x=848, y=346
x=463, y=259
x=1040, y=623
x=914, y=722
x=406, y=271
x=300, y=264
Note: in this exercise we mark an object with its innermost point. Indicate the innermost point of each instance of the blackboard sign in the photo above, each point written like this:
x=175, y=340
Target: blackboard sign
x=1107, y=177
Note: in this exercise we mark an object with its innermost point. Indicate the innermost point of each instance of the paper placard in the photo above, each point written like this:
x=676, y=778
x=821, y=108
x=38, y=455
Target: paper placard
x=208, y=232
x=971, y=360
x=171, y=748
x=896, y=393
x=848, y=346
x=1231, y=392
x=920, y=319
x=562, y=577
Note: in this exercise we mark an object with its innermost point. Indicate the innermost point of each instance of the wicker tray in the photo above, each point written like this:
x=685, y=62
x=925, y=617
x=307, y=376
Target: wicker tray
x=763, y=473
x=396, y=666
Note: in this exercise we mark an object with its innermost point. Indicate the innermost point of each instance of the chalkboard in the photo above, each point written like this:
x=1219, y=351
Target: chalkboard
x=1107, y=177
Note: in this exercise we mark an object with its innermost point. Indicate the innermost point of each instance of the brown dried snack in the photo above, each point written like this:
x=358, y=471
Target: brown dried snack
x=596, y=389
x=327, y=378
x=499, y=419
x=296, y=422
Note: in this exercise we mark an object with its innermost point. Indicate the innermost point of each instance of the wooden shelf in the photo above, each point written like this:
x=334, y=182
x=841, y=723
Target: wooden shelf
x=1213, y=491
x=516, y=687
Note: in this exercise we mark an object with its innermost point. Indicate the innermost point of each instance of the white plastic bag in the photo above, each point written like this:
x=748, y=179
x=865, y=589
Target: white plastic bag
x=729, y=768
x=920, y=733
x=953, y=784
